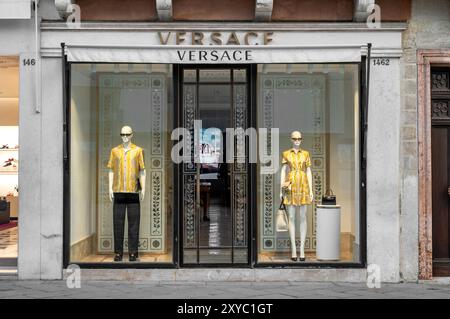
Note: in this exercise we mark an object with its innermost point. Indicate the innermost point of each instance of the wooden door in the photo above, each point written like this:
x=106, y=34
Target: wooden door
x=440, y=150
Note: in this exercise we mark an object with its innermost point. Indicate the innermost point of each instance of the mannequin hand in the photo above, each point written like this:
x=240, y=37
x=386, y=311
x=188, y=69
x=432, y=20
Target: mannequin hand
x=142, y=195
x=311, y=195
x=111, y=195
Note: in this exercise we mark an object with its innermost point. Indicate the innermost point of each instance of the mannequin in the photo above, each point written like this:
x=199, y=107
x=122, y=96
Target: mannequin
x=126, y=191
x=296, y=189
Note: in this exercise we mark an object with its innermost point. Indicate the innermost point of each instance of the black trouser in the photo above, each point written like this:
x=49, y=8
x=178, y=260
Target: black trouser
x=129, y=203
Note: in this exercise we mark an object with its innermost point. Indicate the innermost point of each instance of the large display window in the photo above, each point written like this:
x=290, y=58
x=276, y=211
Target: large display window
x=315, y=171
x=127, y=195
x=121, y=171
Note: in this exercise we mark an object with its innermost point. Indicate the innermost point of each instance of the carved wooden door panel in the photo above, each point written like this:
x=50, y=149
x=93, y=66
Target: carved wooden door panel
x=440, y=149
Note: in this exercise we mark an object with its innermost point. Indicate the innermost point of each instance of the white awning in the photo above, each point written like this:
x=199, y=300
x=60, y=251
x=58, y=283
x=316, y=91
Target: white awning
x=215, y=54
x=15, y=9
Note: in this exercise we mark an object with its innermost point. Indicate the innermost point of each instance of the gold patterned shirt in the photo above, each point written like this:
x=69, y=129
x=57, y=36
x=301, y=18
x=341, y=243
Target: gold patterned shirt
x=297, y=162
x=126, y=165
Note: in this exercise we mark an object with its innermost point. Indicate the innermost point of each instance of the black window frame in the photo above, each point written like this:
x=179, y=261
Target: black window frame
x=364, y=73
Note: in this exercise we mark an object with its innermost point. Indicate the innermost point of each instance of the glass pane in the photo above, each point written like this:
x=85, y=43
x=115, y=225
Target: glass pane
x=190, y=256
x=215, y=256
x=190, y=76
x=214, y=175
x=240, y=256
x=321, y=102
x=9, y=161
x=240, y=75
x=215, y=197
x=105, y=99
x=215, y=76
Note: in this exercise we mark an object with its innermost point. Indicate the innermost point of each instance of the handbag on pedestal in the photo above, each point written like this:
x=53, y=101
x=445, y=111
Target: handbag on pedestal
x=329, y=198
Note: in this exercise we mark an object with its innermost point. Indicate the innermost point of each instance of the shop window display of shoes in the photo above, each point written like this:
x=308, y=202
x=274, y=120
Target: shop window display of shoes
x=10, y=164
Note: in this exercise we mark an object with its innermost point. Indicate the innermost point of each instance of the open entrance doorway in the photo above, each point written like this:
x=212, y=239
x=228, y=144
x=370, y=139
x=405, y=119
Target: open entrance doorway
x=9, y=160
x=215, y=192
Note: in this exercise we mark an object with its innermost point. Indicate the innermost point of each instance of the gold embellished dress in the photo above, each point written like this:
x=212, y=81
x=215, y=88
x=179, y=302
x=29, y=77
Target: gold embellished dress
x=298, y=162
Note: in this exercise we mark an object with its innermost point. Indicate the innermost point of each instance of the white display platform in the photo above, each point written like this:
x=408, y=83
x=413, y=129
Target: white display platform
x=328, y=233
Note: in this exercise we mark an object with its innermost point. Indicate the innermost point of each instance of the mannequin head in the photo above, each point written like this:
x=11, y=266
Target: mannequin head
x=127, y=134
x=296, y=138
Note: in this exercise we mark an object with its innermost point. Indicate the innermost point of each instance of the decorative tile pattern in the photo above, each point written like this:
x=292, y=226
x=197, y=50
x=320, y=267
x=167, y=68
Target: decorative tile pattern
x=152, y=210
x=106, y=244
x=156, y=203
x=240, y=210
x=292, y=83
x=142, y=245
x=157, y=122
x=156, y=244
x=284, y=244
x=319, y=152
x=240, y=123
x=314, y=86
x=189, y=211
x=240, y=167
x=189, y=206
x=268, y=205
x=268, y=189
x=189, y=104
x=107, y=100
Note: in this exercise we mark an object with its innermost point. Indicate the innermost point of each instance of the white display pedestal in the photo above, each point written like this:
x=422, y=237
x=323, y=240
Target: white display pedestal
x=328, y=232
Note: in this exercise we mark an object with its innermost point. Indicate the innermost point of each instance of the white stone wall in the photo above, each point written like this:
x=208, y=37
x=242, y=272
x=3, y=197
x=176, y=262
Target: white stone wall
x=429, y=28
x=382, y=170
x=40, y=178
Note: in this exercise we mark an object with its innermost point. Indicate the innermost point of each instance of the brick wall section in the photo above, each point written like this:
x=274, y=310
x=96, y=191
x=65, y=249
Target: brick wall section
x=398, y=10
x=429, y=28
x=312, y=10
x=236, y=10
x=213, y=10
x=118, y=10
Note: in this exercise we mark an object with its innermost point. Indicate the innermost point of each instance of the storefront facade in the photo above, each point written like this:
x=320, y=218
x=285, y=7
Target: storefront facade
x=216, y=219
x=104, y=69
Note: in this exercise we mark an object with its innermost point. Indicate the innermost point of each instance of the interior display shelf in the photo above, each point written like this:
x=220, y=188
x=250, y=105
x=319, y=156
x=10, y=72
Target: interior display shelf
x=9, y=172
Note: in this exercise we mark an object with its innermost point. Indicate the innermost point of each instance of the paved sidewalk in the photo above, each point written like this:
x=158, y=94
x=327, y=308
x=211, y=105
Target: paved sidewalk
x=255, y=290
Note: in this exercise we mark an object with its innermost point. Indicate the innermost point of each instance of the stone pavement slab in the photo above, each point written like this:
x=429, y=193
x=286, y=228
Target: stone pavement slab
x=220, y=290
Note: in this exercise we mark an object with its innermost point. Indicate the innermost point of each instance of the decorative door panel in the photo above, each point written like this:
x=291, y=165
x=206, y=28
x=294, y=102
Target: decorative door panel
x=440, y=162
x=214, y=212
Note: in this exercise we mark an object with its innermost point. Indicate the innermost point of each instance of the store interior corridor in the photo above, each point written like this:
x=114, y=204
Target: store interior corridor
x=9, y=165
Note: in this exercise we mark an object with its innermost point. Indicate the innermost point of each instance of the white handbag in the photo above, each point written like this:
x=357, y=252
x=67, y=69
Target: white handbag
x=281, y=218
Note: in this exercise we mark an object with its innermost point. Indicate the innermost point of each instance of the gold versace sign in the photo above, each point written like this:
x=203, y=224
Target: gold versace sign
x=216, y=38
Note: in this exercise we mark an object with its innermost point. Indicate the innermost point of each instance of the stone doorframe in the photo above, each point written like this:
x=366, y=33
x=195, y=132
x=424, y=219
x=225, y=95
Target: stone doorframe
x=426, y=59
